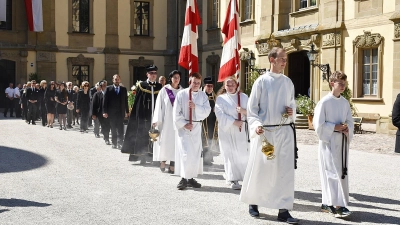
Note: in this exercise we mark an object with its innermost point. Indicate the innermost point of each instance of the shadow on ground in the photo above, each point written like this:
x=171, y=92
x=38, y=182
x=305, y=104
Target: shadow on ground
x=17, y=160
x=363, y=201
x=13, y=202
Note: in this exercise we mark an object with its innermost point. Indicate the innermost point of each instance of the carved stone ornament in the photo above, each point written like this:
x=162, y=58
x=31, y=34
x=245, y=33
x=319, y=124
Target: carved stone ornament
x=46, y=56
x=112, y=58
x=397, y=30
x=244, y=55
x=293, y=43
x=265, y=45
x=10, y=55
x=330, y=39
x=367, y=40
x=141, y=62
x=213, y=58
x=80, y=60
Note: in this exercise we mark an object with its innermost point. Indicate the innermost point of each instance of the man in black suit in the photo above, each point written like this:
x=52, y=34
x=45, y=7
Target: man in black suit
x=32, y=95
x=97, y=111
x=22, y=102
x=115, y=108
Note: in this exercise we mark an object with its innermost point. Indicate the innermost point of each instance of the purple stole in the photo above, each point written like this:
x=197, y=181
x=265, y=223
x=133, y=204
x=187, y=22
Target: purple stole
x=171, y=96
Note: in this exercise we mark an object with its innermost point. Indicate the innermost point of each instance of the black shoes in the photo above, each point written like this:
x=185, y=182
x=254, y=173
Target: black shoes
x=193, y=183
x=182, y=184
x=286, y=217
x=253, y=211
x=337, y=212
x=97, y=135
x=33, y=123
x=342, y=212
x=328, y=209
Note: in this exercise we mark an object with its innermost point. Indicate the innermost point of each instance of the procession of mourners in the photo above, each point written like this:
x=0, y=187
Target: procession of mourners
x=180, y=129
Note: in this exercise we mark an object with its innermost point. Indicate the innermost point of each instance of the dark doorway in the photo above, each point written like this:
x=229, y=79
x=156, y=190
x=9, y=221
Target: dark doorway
x=299, y=72
x=7, y=76
x=139, y=73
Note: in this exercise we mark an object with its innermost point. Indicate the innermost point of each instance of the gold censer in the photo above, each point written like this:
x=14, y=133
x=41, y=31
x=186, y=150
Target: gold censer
x=266, y=147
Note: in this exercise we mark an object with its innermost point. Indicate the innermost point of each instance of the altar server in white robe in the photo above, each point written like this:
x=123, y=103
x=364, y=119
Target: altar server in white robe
x=333, y=123
x=270, y=183
x=232, y=132
x=188, y=145
x=164, y=147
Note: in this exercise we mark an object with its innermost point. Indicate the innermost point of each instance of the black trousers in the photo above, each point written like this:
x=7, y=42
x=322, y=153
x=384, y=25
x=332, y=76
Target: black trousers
x=25, y=111
x=9, y=105
x=43, y=112
x=105, y=127
x=32, y=111
x=17, y=106
x=117, y=130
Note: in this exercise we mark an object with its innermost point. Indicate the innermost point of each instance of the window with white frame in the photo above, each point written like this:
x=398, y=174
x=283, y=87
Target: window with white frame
x=307, y=3
x=370, y=72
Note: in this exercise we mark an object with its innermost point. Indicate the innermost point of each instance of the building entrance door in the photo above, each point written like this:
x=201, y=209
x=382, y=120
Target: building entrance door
x=7, y=76
x=299, y=72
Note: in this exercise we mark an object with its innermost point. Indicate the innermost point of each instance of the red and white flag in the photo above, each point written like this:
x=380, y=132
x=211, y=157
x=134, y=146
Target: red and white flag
x=230, y=60
x=188, y=57
x=34, y=14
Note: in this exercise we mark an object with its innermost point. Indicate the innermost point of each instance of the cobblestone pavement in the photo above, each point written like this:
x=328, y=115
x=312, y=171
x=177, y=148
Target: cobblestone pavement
x=368, y=141
x=48, y=176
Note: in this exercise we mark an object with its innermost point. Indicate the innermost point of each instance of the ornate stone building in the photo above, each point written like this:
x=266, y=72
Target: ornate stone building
x=92, y=40
x=359, y=37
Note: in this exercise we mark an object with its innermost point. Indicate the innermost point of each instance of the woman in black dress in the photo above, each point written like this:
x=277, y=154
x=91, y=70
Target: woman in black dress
x=83, y=105
x=49, y=95
x=43, y=111
x=62, y=100
x=75, y=96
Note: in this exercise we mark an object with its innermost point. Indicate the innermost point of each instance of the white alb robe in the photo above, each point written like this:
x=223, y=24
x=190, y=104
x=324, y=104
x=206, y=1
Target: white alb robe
x=164, y=147
x=330, y=111
x=233, y=143
x=270, y=183
x=188, y=145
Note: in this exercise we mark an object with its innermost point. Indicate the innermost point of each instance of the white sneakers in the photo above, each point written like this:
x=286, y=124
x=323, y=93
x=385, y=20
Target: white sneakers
x=235, y=185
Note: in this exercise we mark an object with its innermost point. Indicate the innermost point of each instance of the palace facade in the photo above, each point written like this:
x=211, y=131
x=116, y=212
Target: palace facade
x=92, y=40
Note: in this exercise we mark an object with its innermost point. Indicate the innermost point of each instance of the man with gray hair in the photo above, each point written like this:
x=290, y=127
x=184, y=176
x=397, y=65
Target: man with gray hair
x=70, y=111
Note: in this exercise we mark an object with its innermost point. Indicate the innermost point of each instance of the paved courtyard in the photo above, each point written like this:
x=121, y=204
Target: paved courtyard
x=48, y=176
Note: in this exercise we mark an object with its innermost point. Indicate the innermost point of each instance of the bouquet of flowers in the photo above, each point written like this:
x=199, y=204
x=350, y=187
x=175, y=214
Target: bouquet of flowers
x=132, y=95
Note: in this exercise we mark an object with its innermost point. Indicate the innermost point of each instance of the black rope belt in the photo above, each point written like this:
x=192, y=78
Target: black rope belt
x=198, y=121
x=344, y=155
x=296, y=150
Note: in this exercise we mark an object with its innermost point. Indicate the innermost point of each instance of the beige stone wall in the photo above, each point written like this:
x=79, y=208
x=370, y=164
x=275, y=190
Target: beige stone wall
x=31, y=59
x=382, y=107
x=99, y=23
x=124, y=28
x=61, y=21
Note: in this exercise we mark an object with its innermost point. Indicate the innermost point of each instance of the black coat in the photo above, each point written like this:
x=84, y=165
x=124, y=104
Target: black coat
x=32, y=95
x=396, y=121
x=137, y=138
x=71, y=96
x=115, y=105
x=97, y=104
x=83, y=101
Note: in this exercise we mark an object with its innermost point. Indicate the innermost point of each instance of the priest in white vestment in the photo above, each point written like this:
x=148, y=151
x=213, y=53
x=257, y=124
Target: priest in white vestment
x=188, y=145
x=164, y=147
x=232, y=132
x=334, y=125
x=270, y=183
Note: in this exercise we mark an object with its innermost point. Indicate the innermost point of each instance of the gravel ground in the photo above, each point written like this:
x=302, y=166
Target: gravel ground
x=368, y=141
x=48, y=176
